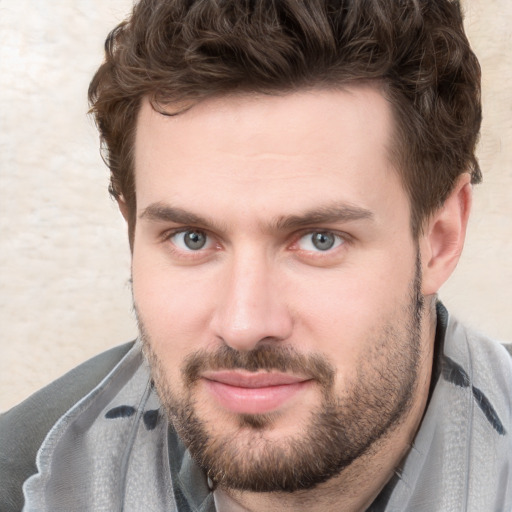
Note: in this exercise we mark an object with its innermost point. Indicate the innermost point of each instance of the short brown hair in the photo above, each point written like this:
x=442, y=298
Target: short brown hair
x=175, y=50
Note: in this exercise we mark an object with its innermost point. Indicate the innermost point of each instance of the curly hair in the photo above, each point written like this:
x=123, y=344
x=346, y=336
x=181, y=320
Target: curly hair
x=188, y=50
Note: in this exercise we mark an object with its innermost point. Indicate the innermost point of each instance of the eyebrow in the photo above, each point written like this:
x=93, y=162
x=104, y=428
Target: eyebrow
x=161, y=212
x=323, y=215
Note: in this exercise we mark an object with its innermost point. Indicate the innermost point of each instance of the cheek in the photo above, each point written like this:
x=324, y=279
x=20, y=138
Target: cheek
x=174, y=307
x=342, y=314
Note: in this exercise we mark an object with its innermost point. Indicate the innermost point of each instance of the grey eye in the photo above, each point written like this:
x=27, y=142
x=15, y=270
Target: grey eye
x=320, y=241
x=323, y=241
x=194, y=240
x=191, y=240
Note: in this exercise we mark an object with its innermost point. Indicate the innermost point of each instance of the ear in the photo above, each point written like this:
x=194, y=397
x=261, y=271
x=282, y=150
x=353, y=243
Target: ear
x=443, y=237
x=123, y=208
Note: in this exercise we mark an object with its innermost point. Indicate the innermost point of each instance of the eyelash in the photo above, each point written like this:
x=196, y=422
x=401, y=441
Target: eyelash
x=341, y=237
x=339, y=240
x=168, y=235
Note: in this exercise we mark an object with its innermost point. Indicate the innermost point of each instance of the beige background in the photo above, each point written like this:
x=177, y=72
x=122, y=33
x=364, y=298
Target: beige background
x=64, y=260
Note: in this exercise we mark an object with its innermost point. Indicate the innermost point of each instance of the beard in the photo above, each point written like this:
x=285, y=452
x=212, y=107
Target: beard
x=343, y=427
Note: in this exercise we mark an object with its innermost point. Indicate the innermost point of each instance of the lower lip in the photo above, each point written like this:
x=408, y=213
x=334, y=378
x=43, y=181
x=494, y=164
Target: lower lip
x=253, y=400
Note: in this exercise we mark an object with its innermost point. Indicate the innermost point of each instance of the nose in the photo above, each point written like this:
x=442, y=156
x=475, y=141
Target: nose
x=251, y=306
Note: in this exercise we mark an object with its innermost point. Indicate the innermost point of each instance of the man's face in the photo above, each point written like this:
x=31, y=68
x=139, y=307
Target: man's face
x=276, y=281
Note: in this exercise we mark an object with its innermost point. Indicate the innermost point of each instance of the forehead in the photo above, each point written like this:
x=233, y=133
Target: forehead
x=307, y=147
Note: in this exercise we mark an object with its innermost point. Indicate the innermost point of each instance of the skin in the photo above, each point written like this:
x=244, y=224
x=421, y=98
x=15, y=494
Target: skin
x=244, y=169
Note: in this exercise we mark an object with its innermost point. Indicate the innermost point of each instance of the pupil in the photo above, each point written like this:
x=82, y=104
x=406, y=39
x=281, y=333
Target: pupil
x=194, y=240
x=323, y=241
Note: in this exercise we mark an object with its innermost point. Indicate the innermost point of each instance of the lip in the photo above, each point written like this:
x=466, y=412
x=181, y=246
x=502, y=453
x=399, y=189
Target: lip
x=253, y=393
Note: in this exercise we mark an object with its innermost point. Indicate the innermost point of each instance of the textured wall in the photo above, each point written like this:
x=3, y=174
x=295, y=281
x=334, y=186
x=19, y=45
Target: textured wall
x=64, y=262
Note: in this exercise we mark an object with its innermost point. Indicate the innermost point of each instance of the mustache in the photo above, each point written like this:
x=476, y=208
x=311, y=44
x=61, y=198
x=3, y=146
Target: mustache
x=264, y=357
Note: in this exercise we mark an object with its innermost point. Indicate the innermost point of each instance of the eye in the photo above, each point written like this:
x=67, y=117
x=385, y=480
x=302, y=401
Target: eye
x=191, y=240
x=320, y=241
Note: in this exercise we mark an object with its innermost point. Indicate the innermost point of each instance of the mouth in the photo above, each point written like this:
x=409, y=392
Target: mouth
x=243, y=392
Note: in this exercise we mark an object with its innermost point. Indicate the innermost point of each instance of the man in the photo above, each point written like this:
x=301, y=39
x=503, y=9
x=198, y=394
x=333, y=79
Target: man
x=296, y=180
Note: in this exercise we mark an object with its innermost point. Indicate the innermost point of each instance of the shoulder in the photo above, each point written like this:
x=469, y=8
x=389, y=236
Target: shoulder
x=488, y=365
x=488, y=356
x=24, y=427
